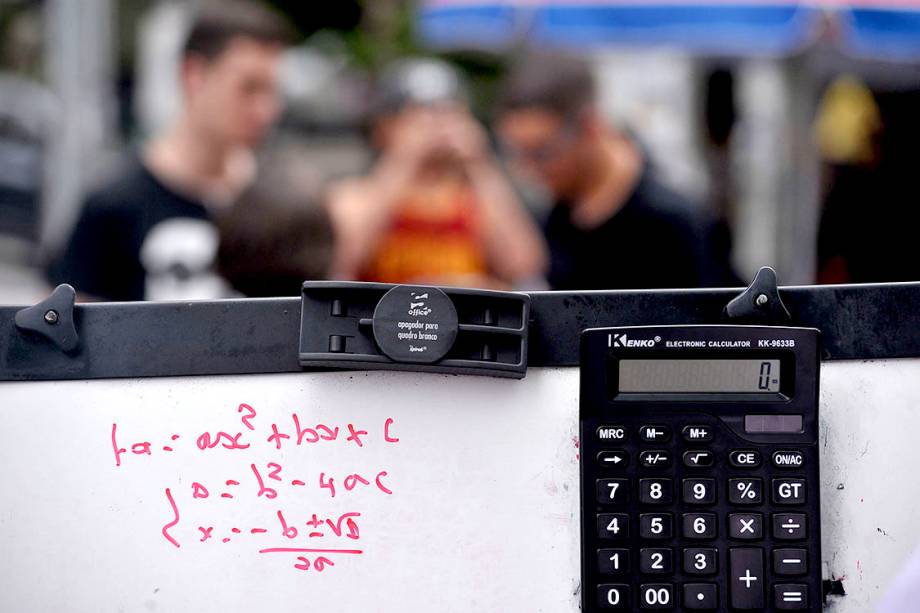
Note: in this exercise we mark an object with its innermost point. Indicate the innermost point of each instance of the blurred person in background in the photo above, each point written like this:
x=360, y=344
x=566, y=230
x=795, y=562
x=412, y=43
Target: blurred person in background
x=278, y=233
x=148, y=232
x=613, y=225
x=870, y=217
x=435, y=207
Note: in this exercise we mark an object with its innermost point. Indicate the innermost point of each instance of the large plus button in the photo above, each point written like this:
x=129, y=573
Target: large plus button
x=746, y=578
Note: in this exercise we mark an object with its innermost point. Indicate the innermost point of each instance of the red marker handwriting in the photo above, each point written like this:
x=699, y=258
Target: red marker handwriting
x=175, y=510
x=386, y=431
x=118, y=450
x=355, y=435
x=247, y=418
x=268, y=492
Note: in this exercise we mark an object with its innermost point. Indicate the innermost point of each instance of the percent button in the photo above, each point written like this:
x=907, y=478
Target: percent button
x=745, y=491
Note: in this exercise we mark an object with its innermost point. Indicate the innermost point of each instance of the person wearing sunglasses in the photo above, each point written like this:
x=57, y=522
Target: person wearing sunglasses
x=613, y=224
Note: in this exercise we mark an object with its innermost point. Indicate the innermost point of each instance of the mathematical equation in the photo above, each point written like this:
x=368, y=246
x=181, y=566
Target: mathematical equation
x=314, y=538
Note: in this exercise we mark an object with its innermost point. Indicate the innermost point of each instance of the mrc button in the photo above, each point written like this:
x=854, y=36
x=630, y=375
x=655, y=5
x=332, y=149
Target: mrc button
x=611, y=433
x=788, y=459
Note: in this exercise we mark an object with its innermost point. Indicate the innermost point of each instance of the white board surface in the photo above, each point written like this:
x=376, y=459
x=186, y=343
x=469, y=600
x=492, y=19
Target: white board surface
x=483, y=514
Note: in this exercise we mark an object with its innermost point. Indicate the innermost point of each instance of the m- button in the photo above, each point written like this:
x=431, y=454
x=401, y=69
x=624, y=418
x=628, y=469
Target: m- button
x=655, y=434
x=611, y=433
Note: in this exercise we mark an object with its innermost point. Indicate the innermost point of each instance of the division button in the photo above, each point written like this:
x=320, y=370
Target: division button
x=655, y=458
x=697, y=434
x=615, y=458
x=744, y=458
x=745, y=526
x=788, y=459
x=698, y=458
x=701, y=596
x=613, y=597
x=655, y=434
x=790, y=596
x=790, y=562
x=611, y=434
x=745, y=578
x=789, y=491
x=789, y=526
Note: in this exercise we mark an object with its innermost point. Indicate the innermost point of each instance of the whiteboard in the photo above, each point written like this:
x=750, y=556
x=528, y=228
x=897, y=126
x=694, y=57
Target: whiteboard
x=470, y=501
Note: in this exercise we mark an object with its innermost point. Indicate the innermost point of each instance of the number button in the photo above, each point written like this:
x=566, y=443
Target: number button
x=656, y=526
x=745, y=526
x=613, y=597
x=656, y=458
x=700, y=561
x=744, y=458
x=613, y=561
x=613, y=526
x=699, y=491
x=656, y=561
x=790, y=596
x=656, y=596
x=655, y=434
x=701, y=596
x=699, y=525
x=697, y=434
x=789, y=491
x=745, y=491
x=698, y=458
x=613, y=491
x=789, y=526
x=656, y=491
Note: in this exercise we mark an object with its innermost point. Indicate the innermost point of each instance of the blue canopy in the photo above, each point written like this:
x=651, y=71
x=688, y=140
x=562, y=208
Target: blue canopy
x=739, y=27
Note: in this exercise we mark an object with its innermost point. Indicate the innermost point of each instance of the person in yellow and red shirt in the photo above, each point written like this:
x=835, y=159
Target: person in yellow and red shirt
x=435, y=208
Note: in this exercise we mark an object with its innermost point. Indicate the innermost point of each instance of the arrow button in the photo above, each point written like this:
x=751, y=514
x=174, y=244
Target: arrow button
x=614, y=458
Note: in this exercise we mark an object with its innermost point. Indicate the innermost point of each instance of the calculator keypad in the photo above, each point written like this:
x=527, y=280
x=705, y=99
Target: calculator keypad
x=700, y=521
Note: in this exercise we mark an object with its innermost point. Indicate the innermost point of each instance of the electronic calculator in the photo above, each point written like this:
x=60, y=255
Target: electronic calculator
x=699, y=469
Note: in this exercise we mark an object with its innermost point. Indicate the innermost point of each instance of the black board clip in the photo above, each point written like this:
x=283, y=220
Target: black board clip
x=414, y=327
x=52, y=318
x=760, y=303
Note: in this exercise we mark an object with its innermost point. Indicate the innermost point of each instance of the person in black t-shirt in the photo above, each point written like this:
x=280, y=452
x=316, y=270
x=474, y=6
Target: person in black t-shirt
x=613, y=226
x=148, y=233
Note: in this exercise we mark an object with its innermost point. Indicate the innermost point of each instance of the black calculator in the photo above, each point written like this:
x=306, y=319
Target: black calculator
x=699, y=469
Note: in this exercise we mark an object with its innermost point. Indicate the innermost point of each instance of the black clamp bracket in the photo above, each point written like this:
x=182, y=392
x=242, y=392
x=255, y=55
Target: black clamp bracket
x=760, y=303
x=414, y=327
x=52, y=318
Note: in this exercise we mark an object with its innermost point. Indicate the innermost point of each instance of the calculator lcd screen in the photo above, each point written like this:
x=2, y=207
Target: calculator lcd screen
x=699, y=376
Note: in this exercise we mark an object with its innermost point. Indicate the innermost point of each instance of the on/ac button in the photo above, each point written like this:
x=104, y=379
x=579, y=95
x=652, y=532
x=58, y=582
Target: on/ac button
x=611, y=433
x=788, y=459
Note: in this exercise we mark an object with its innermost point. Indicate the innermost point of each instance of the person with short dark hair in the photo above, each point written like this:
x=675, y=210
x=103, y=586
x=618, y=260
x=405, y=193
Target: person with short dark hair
x=613, y=225
x=148, y=232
